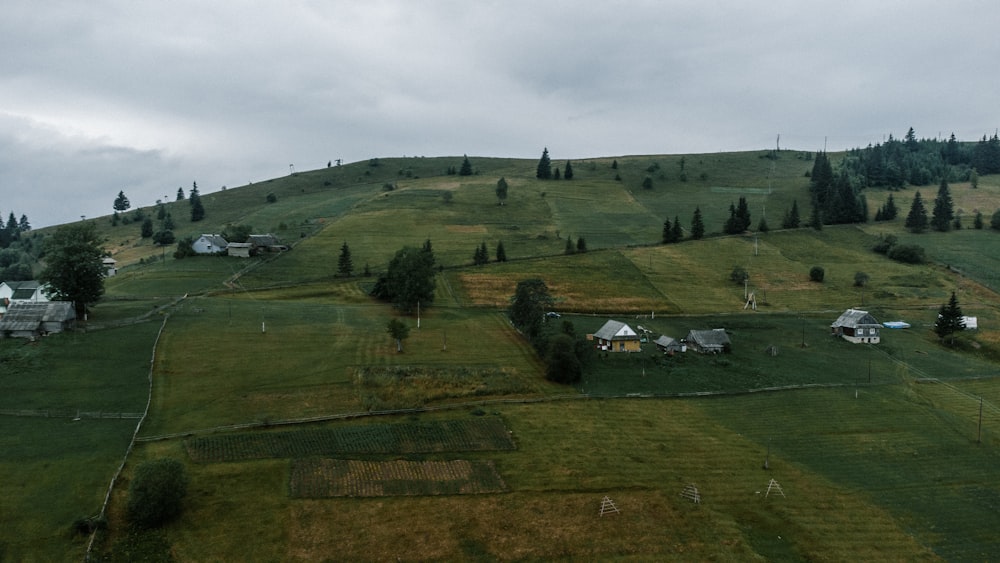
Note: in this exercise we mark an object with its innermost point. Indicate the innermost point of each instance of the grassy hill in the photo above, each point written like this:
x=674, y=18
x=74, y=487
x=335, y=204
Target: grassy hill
x=878, y=449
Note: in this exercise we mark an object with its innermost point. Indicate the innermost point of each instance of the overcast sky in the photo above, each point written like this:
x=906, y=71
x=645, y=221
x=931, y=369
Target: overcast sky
x=146, y=97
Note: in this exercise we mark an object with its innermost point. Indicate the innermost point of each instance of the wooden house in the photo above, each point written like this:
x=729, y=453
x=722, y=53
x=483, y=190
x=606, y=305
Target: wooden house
x=714, y=341
x=615, y=336
x=30, y=320
x=209, y=244
x=857, y=326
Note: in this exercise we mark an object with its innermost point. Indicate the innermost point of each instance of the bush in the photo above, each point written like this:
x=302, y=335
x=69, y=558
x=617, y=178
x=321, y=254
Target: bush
x=817, y=273
x=739, y=274
x=860, y=279
x=885, y=242
x=156, y=492
x=271, y=198
x=907, y=253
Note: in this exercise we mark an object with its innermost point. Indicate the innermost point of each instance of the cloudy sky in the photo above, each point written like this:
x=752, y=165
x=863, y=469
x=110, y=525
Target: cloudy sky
x=146, y=97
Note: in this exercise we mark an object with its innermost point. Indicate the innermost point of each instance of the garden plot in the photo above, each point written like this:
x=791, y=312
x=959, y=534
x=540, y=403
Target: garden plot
x=324, y=478
x=482, y=434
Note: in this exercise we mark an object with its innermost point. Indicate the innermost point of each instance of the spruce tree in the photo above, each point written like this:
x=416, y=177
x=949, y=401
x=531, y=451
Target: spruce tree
x=581, y=245
x=544, y=171
x=121, y=202
x=466, y=169
x=889, y=210
x=668, y=232
x=916, y=220
x=677, y=234
x=949, y=320
x=180, y=194
x=570, y=249
x=501, y=253
x=502, y=190
x=697, y=225
x=568, y=171
x=944, y=210
x=791, y=220
x=345, y=265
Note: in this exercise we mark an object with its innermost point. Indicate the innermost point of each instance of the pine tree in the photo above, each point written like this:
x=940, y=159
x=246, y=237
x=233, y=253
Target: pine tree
x=197, y=209
x=978, y=222
x=816, y=218
x=944, y=210
x=791, y=220
x=146, y=230
x=677, y=234
x=481, y=255
x=121, y=202
x=889, y=210
x=466, y=169
x=345, y=265
x=570, y=249
x=697, y=225
x=180, y=194
x=501, y=253
x=544, y=171
x=668, y=232
x=916, y=220
x=502, y=190
x=568, y=171
x=950, y=320
x=581, y=245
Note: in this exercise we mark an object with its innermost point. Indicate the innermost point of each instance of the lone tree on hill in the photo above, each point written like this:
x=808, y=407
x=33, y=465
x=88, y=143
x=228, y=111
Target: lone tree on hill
x=949, y=320
x=544, y=171
x=345, y=266
x=944, y=210
x=73, y=265
x=697, y=225
x=156, y=492
x=501, y=190
x=466, y=169
x=916, y=219
x=180, y=194
x=399, y=332
x=197, y=209
x=121, y=202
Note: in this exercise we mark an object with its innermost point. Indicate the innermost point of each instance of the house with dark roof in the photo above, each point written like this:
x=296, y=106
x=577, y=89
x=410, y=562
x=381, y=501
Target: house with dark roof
x=616, y=336
x=25, y=319
x=210, y=244
x=714, y=341
x=669, y=345
x=856, y=326
x=265, y=243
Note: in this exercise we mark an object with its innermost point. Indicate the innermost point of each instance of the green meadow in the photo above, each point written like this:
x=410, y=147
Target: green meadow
x=878, y=450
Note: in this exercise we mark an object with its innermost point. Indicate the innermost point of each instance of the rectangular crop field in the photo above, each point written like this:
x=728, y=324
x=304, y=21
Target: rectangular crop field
x=325, y=478
x=480, y=434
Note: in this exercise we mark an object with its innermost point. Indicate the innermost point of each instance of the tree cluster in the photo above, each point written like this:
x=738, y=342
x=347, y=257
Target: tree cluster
x=835, y=198
x=565, y=354
x=888, y=211
x=409, y=279
x=949, y=320
x=739, y=218
x=672, y=232
x=156, y=492
x=12, y=230
x=544, y=169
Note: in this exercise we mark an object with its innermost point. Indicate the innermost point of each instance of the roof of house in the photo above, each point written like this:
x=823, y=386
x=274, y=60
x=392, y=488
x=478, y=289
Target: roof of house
x=28, y=316
x=709, y=338
x=614, y=330
x=215, y=240
x=665, y=341
x=263, y=240
x=854, y=318
x=23, y=289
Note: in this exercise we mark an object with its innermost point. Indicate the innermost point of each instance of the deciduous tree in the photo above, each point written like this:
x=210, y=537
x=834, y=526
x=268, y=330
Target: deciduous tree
x=73, y=265
x=399, y=332
x=156, y=492
x=528, y=306
x=502, y=190
x=409, y=279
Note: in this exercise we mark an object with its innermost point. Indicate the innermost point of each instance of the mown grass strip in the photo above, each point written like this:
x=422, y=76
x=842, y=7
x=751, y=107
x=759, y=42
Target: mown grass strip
x=484, y=434
x=326, y=478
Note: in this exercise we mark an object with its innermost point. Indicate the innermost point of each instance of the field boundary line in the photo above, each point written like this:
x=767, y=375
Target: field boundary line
x=135, y=434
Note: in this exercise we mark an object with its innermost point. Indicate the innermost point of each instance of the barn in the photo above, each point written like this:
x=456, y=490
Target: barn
x=30, y=320
x=616, y=336
x=713, y=341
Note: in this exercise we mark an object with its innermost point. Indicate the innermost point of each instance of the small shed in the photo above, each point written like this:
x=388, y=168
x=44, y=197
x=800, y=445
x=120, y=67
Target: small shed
x=30, y=320
x=669, y=345
x=209, y=244
x=714, y=341
x=239, y=249
x=110, y=266
x=616, y=336
x=265, y=243
x=857, y=326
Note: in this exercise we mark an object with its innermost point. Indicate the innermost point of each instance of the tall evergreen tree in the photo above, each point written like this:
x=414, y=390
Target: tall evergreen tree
x=668, y=232
x=916, y=220
x=121, y=202
x=581, y=245
x=791, y=220
x=23, y=225
x=180, y=194
x=944, y=210
x=146, y=230
x=697, y=225
x=570, y=249
x=345, y=265
x=197, y=209
x=677, y=233
x=481, y=255
x=466, y=169
x=501, y=253
x=950, y=320
x=568, y=171
x=544, y=170
x=889, y=210
x=816, y=218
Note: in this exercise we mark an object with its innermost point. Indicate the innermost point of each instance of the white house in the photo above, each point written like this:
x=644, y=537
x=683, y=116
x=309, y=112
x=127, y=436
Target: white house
x=210, y=244
x=21, y=291
x=110, y=266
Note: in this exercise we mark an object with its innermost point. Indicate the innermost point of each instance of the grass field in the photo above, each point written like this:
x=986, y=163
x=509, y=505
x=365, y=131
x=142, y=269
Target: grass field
x=878, y=449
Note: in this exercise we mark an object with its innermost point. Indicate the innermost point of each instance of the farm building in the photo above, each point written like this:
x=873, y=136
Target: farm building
x=265, y=243
x=669, y=345
x=30, y=320
x=615, y=336
x=110, y=266
x=713, y=341
x=239, y=249
x=210, y=244
x=21, y=291
x=856, y=326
